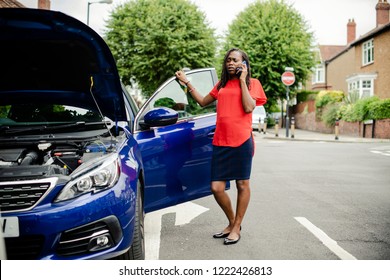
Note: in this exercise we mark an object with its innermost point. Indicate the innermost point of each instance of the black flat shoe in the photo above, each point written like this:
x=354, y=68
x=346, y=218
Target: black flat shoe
x=221, y=235
x=229, y=241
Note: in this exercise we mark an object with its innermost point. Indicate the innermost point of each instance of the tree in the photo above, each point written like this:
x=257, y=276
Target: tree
x=274, y=36
x=151, y=39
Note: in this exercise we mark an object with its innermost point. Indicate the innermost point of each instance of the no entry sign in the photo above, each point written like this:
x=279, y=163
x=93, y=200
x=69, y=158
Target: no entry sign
x=288, y=78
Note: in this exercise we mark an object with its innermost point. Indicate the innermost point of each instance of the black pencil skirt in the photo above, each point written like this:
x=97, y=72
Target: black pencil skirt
x=232, y=163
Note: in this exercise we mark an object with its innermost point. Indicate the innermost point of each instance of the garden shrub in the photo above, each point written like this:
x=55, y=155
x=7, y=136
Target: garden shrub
x=306, y=95
x=331, y=114
x=379, y=109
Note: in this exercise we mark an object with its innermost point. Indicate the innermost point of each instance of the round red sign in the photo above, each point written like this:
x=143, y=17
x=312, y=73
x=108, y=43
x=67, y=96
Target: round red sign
x=288, y=78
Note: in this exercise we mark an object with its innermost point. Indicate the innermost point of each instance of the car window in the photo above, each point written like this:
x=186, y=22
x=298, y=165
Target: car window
x=173, y=96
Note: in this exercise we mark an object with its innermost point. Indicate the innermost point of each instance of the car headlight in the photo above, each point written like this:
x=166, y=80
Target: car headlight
x=92, y=177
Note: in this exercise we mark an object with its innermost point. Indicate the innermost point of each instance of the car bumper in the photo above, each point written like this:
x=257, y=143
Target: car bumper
x=93, y=226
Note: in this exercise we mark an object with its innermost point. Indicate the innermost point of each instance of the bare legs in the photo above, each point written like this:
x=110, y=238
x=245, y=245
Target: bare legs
x=223, y=200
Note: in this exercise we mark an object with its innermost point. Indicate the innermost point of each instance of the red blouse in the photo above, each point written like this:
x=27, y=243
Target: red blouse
x=234, y=126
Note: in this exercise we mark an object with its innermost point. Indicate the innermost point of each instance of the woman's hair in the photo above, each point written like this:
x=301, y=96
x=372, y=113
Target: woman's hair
x=225, y=74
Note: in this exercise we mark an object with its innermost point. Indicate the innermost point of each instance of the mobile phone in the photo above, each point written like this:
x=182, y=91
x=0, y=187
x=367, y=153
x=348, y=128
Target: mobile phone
x=239, y=69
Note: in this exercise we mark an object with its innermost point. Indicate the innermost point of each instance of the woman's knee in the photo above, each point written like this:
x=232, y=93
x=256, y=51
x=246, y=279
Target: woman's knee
x=242, y=185
x=218, y=187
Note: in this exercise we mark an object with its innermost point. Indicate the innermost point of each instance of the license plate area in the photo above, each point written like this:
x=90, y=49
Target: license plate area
x=10, y=226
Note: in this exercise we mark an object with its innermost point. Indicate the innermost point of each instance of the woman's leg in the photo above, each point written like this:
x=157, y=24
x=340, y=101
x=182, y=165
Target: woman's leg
x=223, y=200
x=243, y=197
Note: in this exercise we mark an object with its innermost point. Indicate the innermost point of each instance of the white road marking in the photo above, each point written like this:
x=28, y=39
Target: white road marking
x=325, y=239
x=185, y=213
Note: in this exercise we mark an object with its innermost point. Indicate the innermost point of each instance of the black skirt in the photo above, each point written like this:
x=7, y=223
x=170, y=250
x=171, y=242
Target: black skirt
x=232, y=163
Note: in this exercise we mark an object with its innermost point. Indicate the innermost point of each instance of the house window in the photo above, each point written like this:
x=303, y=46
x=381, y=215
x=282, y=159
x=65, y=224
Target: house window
x=319, y=74
x=362, y=84
x=368, y=52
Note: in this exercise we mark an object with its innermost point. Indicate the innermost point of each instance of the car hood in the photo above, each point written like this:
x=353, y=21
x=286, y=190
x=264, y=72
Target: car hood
x=49, y=55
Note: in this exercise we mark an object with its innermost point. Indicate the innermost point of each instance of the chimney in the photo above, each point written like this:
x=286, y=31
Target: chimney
x=44, y=4
x=382, y=12
x=351, y=31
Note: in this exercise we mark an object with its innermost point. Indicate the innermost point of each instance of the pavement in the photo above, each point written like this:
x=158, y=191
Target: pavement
x=305, y=135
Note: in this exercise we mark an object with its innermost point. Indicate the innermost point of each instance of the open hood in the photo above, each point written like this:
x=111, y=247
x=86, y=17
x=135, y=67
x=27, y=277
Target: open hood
x=47, y=55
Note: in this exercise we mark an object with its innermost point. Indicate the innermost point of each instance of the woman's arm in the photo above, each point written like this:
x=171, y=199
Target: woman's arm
x=248, y=103
x=200, y=99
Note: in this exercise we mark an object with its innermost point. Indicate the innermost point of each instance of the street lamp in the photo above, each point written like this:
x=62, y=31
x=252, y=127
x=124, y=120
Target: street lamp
x=96, y=2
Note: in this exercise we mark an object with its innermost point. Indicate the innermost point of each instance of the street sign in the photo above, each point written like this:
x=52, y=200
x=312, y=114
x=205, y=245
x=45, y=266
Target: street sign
x=288, y=78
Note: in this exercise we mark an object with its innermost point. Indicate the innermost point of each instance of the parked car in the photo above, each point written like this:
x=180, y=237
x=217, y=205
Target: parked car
x=258, y=117
x=80, y=164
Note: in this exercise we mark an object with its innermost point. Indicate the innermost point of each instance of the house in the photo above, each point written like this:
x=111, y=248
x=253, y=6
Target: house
x=363, y=65
x=10, y=4
x=42, y=4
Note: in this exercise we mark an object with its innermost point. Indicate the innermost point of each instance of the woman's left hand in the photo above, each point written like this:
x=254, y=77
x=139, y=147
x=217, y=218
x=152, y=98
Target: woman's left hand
x=182, y=77
x=244, y=71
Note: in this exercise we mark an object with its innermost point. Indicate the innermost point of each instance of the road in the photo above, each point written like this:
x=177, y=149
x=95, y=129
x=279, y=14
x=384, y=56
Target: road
x=310, y=201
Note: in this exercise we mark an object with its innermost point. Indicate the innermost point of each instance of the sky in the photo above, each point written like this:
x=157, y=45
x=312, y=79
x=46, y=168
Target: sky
x=327, y=19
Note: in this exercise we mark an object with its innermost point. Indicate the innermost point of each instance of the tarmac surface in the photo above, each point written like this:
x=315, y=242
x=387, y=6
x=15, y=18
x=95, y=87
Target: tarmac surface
x=305, y=135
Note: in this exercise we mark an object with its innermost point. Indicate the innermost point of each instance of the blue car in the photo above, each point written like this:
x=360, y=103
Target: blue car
x=80, y=163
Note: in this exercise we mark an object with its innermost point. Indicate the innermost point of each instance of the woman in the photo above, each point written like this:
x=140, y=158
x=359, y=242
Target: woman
x=238, y=94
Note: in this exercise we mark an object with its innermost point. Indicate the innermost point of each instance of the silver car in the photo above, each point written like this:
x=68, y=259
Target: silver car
x=258, y=118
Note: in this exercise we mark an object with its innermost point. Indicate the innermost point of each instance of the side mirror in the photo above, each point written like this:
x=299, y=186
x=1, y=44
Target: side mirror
x=160, y=116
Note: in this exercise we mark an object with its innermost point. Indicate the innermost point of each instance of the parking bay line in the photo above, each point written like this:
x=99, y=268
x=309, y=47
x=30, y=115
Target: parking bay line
x=325, y=239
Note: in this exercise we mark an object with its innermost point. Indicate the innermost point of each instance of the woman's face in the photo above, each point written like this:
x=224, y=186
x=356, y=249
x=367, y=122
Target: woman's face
x=233, y=61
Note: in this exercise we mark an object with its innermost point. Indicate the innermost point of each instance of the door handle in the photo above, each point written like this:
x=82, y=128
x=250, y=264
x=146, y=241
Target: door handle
x=211, y=133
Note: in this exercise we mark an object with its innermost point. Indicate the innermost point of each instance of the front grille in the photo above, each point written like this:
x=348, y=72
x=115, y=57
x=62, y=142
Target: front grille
x=15, y=196
x=24, y=248
x=78, y=241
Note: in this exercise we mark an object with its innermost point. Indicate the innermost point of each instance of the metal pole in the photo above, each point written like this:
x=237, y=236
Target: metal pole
x=277, y=127
x=89, y=3
x=292, y=127
x=287, y=110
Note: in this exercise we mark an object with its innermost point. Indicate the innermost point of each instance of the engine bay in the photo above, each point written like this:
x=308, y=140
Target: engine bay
x=49, y=159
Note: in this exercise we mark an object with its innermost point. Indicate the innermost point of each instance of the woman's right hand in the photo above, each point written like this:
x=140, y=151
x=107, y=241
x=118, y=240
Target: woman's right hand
x=182, y=77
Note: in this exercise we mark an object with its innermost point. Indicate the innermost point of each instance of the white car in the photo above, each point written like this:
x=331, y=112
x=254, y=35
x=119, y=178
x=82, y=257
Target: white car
x=258, y=116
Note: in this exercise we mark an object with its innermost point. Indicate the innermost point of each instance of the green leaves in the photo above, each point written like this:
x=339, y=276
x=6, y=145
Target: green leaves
x=151, y=39
x=275, y=36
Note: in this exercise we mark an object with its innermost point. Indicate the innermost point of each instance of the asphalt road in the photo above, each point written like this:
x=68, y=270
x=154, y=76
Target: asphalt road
x=310, y=201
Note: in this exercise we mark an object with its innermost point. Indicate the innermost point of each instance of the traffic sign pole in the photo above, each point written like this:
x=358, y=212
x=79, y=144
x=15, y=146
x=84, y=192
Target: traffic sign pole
x=287, y=110
x=288, y=79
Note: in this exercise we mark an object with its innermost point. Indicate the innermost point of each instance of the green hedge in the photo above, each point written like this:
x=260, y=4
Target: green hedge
x=379, y=110
x=326, y=97
x=306, y=95
x=332, y=105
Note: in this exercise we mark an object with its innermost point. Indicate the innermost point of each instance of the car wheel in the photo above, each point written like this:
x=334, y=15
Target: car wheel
x=137, y=249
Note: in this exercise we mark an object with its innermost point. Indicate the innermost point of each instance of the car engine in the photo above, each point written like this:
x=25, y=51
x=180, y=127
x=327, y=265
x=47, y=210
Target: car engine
x=47, y=159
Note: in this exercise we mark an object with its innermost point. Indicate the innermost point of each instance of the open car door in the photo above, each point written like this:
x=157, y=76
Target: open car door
x=177, y=157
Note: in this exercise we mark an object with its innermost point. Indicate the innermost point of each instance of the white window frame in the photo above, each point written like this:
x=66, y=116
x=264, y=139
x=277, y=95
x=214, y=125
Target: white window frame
x=368, y=52
x=319, y=74
x=362, y=84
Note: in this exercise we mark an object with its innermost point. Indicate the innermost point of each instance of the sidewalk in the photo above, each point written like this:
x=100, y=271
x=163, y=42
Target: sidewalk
x=305, y=135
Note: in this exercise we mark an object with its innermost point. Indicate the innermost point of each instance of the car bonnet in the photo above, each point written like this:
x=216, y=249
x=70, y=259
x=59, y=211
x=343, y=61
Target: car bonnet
x=47, y=55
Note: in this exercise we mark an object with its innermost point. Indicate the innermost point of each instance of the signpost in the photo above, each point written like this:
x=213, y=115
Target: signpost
x=288, y=79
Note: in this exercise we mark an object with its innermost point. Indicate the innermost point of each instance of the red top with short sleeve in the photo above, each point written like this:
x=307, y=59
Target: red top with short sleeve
x=234, y=126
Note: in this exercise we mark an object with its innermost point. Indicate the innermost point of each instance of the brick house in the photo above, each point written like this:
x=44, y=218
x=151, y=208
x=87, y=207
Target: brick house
x=42, y=4
x=10, y=4
x=363, y=65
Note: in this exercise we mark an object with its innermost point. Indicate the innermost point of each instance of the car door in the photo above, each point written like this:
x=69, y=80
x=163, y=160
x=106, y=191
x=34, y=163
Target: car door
x=177, y=157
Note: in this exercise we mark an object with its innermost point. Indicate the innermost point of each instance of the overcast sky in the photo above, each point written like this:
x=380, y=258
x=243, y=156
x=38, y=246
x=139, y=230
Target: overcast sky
x=326, y=18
